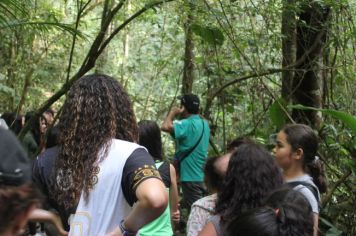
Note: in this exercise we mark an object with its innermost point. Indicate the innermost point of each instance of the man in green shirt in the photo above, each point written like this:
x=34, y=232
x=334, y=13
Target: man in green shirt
x=191, y=134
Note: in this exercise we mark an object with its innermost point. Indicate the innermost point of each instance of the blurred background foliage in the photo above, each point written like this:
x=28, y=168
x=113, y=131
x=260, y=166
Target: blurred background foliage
x=236, y=49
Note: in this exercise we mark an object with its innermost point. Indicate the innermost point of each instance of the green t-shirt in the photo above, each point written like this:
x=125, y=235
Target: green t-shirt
x=187, y=132
x=162, y=225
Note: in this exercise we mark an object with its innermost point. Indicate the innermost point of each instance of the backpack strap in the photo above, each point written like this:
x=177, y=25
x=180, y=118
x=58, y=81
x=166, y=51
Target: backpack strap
x=187, y=153
x=313, y=189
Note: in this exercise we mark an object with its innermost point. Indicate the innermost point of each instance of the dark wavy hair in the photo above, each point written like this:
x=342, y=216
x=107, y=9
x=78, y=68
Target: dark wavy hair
x=302, y=136
x=35, y=129
x=150, y=138
x=286, y=213
x=97, y=109
x=252, y=173
x=235, y=143
x=15, y=200
x=212, y=178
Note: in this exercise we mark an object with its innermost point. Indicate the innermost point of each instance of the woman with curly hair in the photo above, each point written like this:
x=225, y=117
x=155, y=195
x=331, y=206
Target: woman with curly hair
x=252, y=173
x=99, y=169
x=286, y=213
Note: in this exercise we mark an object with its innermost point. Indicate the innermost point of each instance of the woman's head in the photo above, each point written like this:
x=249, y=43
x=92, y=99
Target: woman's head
x=235, y=143
x=38, y=128
x=97, y=109
x=252, y=173
x=150, y=138
x=214, y=173
x=286, y=213
x=297, y=145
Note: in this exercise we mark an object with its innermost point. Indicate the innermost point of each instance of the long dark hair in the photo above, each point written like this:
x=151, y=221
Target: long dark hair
x=150, y=138
x=36, y=128
x=97, y=109
x=252, y=173
x=302, y=136
x=287, y=212
x=213, y=179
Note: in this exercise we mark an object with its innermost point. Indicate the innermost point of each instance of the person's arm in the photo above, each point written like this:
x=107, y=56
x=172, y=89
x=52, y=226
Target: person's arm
x=316, y=224
x=174, y=198
x=196, y=221
x=40, y=215
x=152, y=199
x=208, y=230
x=167, y=125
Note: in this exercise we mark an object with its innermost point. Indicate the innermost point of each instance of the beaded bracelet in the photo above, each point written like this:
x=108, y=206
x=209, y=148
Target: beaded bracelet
x=124, y=231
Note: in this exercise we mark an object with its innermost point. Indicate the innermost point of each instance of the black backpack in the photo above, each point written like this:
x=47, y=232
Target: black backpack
x=311, y=187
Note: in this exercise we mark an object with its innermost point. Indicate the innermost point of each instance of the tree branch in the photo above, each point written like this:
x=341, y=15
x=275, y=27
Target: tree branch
x=90, y=59
x=134, y=16
x=330, y=193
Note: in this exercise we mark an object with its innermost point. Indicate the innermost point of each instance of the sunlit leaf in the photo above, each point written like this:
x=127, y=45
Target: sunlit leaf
x=347, y=119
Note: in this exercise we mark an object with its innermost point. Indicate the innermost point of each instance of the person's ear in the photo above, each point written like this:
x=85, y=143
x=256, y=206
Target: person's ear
x=298, y=154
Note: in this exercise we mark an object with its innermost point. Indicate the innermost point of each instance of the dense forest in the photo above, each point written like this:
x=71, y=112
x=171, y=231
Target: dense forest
x=256, y=65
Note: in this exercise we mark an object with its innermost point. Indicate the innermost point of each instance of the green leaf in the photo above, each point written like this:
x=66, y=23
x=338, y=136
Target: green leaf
x=7, y=90
x=332, y=231
x=277, y=114
x=347, y=119
x=209, y=34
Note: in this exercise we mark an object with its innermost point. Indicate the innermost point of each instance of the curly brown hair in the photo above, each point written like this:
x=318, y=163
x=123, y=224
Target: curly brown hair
x=97, y=109
x=252, y=173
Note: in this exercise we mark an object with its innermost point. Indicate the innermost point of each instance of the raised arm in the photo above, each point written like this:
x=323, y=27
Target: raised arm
x=167, y=125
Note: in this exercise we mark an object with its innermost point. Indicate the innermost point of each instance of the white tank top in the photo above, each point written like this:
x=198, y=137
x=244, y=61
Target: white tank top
x=106, y=205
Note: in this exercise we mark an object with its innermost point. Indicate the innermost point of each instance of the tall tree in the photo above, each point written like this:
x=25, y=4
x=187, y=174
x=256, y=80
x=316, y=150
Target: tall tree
x=311, y=38
x=188, y=70
x=288, y=46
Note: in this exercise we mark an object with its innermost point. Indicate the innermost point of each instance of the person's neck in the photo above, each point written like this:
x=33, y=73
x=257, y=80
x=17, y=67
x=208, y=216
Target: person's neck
x=186, y=114
x=293, y=172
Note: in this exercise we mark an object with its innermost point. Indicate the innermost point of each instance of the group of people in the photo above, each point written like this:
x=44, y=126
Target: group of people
x=106, y=174
x=35, y=140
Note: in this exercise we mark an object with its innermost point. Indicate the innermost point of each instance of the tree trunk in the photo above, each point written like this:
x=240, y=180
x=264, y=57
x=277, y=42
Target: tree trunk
x=288, y=46
x=188, y=70
x=307, y=82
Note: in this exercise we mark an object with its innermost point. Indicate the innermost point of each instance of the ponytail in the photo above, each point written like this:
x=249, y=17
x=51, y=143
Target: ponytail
x=315, y=169
x=303, y=137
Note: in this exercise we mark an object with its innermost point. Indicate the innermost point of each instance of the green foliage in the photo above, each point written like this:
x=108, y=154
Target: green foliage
x=233, y=39
x=347, y=119
x=7, y=90
x=211, y=35
x=277, y=114
x=331, y=229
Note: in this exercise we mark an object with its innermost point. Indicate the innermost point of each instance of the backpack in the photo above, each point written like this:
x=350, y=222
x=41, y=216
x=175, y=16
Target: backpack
x=313, y=189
